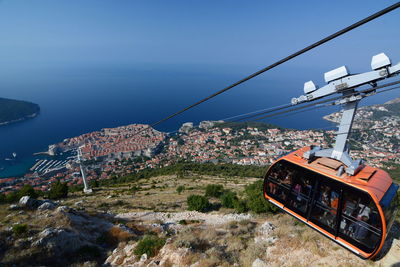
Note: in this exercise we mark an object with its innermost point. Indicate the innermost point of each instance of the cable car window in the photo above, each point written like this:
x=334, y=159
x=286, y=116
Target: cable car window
x=324, y=210
x=389, y=204
x=301, y=191
x=360, y=224
x=280, y=180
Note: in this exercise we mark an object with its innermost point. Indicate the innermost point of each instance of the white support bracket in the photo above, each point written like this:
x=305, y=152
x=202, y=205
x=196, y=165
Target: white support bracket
x=340, y=81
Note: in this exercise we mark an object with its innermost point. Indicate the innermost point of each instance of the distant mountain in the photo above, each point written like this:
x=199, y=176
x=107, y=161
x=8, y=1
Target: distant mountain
x=16, y=110
x=390, y=108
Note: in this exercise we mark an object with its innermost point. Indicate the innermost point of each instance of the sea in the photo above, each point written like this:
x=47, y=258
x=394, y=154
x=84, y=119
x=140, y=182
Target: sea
x=77, y=100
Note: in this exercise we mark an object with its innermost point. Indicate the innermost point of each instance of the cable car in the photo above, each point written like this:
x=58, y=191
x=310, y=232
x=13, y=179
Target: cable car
x=355, y=211
x=349, y=202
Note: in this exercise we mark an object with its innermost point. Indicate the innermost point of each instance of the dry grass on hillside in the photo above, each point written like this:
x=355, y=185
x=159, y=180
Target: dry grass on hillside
x=153, y=194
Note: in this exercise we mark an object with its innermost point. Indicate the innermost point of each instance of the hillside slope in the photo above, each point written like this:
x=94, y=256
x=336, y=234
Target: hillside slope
x=109, y=226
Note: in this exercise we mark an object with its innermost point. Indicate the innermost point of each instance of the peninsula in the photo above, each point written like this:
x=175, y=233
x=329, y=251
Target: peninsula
x=16, y=110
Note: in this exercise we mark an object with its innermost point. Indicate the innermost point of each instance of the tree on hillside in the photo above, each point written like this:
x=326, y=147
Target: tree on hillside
x=198, y=203
x=27, y=190
x=255, y=199
x=58, y=190
x=214, y=190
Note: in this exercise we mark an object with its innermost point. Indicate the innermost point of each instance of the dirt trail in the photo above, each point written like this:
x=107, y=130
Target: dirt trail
x=174, y=217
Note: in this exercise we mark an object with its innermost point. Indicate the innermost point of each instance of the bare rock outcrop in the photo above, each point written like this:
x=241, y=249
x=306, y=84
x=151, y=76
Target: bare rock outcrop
x=27, y=202
x=47, y=206
x=59, y=241
x=264, y=233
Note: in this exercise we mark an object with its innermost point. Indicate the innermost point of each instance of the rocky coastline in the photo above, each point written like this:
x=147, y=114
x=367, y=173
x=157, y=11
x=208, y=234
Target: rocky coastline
x=31, y=116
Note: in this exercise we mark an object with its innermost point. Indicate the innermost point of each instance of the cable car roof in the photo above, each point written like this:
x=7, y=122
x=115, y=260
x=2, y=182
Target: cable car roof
x=370, y=179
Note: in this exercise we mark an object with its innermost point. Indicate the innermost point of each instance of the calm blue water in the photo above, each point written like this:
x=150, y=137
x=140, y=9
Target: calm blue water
x=75, y=101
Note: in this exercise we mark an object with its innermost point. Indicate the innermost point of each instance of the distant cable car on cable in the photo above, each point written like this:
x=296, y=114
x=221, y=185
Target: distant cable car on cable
x=346, y=200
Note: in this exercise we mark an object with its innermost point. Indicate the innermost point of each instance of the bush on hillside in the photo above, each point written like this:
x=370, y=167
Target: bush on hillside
x=228, y=199
x=58, y=190
x=27, y=190
x=75, y=188
x=198, y=203
x=150, y=244
x=180, y=189
x=19, y=229
x=255, y=199
x=214, y=190
x=12, y=197
x=240, y=206
x=94, y=183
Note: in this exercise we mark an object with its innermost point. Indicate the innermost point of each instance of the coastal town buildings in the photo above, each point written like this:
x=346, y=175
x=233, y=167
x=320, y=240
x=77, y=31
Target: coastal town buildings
x=127, y=149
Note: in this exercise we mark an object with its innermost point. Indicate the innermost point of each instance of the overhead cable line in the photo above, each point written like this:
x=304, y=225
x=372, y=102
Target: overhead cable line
x=325, y=101
x=313, y=103
x=302, y=51
x=258, y=111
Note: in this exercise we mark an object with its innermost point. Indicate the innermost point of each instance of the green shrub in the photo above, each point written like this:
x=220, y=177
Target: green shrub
x=186, y=222
x=93, y=183
x=75, y=188
x=255, y=199
x=240, y=206
x=150, y=244
x=12, y=197
x=135, y=189
x=2, y=198
x=103, y=205
x=228, y=199
x=27, y=190
x=58, y=190
x=214, y=190
x=258, y=204
x=19, y=229
x=119, y=203
x=198, y=203
x=180, y=189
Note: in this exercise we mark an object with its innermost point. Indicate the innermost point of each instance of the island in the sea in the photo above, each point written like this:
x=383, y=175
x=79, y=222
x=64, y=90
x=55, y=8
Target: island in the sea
x=16, y=110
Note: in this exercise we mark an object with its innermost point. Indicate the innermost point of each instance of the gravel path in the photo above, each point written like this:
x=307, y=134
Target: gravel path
x=174, y=217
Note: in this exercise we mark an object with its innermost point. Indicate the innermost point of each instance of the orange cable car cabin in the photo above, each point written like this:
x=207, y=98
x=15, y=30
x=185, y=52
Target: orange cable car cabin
x=355, y=211
x=349, y=202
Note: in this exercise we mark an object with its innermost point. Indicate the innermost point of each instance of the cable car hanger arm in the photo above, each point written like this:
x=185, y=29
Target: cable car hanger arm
x=340, y=81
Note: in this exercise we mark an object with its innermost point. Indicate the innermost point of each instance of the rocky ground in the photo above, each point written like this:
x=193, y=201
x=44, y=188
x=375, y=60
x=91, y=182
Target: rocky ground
x=82, y=231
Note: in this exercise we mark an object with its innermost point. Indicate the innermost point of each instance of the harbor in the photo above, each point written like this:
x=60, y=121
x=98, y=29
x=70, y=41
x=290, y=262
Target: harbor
x=44, y=166
x=38, y=164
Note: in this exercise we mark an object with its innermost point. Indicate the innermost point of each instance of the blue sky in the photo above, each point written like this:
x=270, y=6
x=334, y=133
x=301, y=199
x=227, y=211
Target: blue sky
x=100, y=63
x=248, y=34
